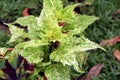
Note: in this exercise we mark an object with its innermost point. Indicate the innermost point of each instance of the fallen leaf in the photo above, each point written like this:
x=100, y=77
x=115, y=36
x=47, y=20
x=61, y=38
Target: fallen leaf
x=88, y=2
x=116, y=13
x=116, y=54
x=25, y=12
x=94, y=71
x=110, y=42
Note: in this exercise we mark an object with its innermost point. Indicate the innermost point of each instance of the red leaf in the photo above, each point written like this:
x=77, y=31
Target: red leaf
x=25, y=12
x=111, y=41
x=57, y=44
x=61, y=23
x=10, y=49
x=117, y=55
x=116, y=13
x=45, y=78
x=94, y=71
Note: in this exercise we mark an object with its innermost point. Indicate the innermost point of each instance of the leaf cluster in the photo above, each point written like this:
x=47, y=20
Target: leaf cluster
x=53, y=42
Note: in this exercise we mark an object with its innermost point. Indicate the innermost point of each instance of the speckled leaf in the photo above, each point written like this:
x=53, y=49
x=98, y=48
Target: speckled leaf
x=32, y=43
x=30, y=50
x=29, y=21
x=57, y=72
x=77, y=44
x=68, y=13
x=3, y=50
x=66, y=56
x=32, y=25
x=17, y=33
x=55, y=5
x=49, y=25
x=66, y=52
x=85, y=44
x=32, y=55
x=81, y=22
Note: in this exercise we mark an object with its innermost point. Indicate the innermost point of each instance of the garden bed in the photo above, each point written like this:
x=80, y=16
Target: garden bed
x=105, y=30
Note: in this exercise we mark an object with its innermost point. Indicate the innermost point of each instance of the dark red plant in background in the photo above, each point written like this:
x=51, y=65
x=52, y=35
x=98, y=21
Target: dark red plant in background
x=11, y=72
x=4, y=27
